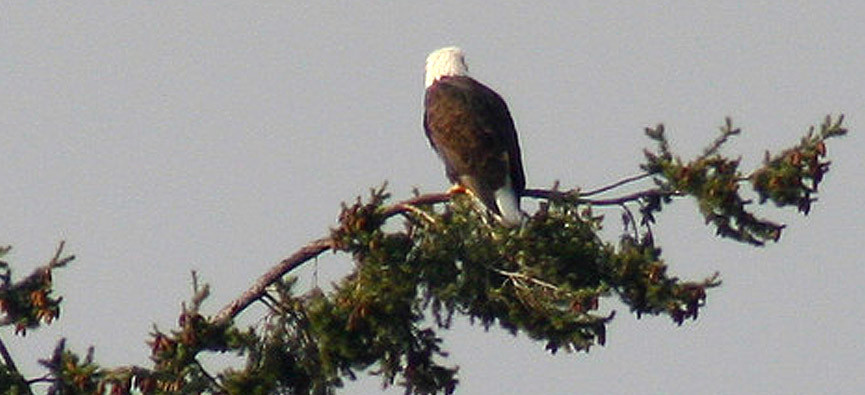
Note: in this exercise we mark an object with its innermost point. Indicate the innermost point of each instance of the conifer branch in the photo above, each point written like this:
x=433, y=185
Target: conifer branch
x=317, y=247
x=544, y=279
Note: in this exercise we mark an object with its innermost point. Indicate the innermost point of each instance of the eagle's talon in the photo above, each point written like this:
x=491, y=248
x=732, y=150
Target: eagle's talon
x=458, y=189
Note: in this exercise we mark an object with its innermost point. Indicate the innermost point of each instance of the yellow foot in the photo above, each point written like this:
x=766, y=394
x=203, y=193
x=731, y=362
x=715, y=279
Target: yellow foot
x=457, y=189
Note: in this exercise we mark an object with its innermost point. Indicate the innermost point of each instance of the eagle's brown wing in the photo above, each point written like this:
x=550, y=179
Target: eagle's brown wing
x=470, y=127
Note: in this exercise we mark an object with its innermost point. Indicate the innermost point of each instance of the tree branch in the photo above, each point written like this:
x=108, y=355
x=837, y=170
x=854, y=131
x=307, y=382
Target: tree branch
x=513, y=276
x=630, y=197
x=7, y=359
x=405, y=205
x=258, y=288
x=39, y=277
x=316, y=247
x=616, y=184
x=551, y=194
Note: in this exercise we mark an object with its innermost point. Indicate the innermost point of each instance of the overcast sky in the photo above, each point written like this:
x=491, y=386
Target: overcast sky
x=158, y=138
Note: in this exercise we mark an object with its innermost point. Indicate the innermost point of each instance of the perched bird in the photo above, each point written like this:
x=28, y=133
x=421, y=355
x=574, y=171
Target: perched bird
x=471, y=129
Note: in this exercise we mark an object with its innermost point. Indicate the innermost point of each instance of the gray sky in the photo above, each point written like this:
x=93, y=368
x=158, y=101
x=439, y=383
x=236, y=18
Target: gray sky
x=158, y=137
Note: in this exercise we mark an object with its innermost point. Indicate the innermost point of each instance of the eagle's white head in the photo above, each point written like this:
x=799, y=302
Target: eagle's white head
x=448, y=61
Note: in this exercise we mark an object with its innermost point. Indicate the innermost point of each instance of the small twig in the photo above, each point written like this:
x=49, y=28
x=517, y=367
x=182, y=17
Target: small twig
x=546, y=193
x=57, y=261
x=726, y=132
x=630, y=198
x=551, y=194
x=420, y=213
x=530, y=279
x=199, y=293
x=712, y=281
x=616, y=184
x=648, y=225
x=206, y=374
x=44, y=379
x=270, y=302
x=632, y=221
x=407, y=205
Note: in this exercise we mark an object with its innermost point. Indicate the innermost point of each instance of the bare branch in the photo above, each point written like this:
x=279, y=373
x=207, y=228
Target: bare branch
x=547, y=193
x=520, y=276
x=550, y=194
x=616, y=184
x=42, y=379
x=407, y=205
x=10, y=363
x=258, y=288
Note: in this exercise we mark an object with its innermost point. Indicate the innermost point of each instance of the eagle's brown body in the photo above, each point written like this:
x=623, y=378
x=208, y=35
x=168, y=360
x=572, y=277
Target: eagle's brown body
x=470, y=127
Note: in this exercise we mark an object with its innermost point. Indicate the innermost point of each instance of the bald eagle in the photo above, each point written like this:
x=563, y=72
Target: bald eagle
x=471, y=129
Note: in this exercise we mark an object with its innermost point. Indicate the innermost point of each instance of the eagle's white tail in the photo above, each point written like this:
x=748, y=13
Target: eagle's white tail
x=508, y=204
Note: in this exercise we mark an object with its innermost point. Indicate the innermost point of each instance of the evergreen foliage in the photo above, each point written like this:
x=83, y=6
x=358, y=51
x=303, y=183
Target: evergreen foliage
x=543, y=279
